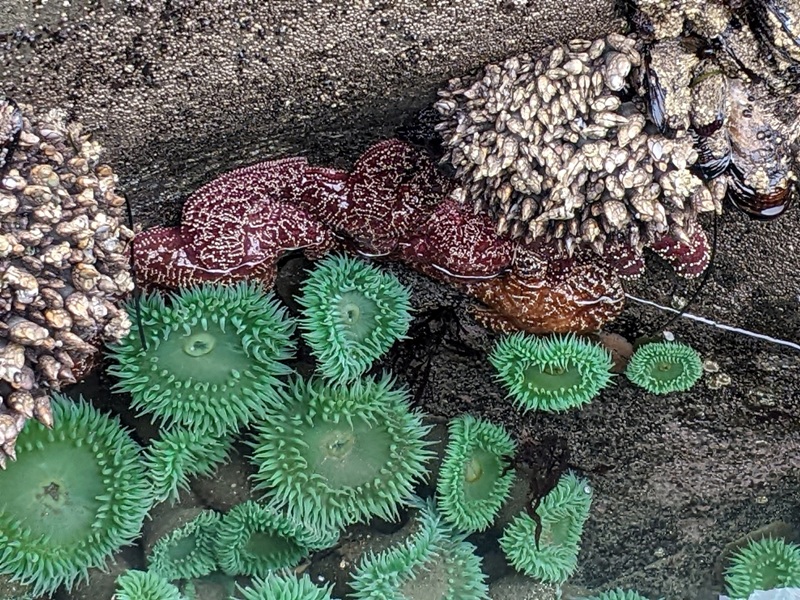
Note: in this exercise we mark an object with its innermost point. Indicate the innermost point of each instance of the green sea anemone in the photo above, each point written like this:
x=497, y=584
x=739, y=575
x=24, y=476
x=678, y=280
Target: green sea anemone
x=180, y=454
x=618, y=594
x=331, y=455
x=76, y=494
x=145, y=585
x=664, y=367
x=254, y=540
x=562, y=513
x=763, y=564
x=188, y=551
x=434, y=562
x=475, y=478
x=285, y=587
x=212, y=359
x=352, y=314
x=551, y=374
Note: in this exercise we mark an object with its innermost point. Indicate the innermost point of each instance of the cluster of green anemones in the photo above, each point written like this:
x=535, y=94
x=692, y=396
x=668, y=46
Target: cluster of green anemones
x=664, y=367
x=475, y=477
x=352, y=314
x=553, y=373
x=331, y=455
x=434, y=562
x=212, y=357
x=553, y=555
x=763, y=564
x=76, y=493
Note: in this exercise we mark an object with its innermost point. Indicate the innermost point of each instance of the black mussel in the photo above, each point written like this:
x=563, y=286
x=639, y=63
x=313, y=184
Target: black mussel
x=760, y=173
x=714, y=153
x=10, y=127
x=758, y=206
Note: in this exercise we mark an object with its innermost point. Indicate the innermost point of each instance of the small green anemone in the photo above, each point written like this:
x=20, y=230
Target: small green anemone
x=254, y=540
x=332, y=455
x=76, y=494
x=145, y=585
x=434, y=562
x=664, y=367
x=474, y=479
x=551, y=374
x=352, y=314
x=212, y=359
x=763, y=564
x=618, y=594
x=179, y=454
x=188, y=551
x=285, y=587
x=562, y=513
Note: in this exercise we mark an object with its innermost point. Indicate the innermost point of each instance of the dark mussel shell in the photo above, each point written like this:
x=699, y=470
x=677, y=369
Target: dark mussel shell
x=761, y=207
x=656, y=96
x=711, y=165
x=10, y=128
x=776, y=23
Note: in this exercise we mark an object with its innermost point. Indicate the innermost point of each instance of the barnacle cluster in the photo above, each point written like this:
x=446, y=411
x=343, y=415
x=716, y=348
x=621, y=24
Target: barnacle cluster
x=63, y=262
x=555, y=148
x=621, y=142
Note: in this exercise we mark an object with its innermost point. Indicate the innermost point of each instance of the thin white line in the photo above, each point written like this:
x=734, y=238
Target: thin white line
x=722, y=326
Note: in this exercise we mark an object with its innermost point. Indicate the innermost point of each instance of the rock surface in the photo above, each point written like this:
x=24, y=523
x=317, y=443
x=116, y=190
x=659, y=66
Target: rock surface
x=181, y=91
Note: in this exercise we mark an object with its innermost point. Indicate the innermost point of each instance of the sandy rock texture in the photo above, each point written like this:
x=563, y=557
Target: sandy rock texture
x=181, y=90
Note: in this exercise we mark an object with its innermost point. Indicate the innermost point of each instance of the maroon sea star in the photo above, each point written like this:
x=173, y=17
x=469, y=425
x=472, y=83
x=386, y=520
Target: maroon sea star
x=394, y=203
x=689, y=258
x=235, y=227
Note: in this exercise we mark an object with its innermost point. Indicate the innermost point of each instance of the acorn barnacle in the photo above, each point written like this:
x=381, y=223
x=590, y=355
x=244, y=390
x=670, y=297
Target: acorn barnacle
x=551, y=374
x=331, y=455
x=212, y=360
x=76, y=494
x=352, y=314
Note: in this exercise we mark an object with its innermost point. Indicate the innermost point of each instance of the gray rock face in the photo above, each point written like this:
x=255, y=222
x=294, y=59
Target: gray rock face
x=180, y=90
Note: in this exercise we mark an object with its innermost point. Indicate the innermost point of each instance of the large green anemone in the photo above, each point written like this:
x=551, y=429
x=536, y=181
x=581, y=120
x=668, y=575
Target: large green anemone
x=664, y=367
x=562, y=513
x=188, y=551
x=145, y=585
x=212, y=359
x=254, y=540
x=551, y=373
x=180, y=454
x=434, y=562
x=331, y=455
x=352, y=314
x=763, y=564
x=475, y=478
x=76, y=494
x=285, y=587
